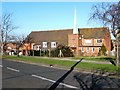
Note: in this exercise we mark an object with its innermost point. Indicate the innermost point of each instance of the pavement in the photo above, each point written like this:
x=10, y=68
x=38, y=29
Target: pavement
x=24, y=75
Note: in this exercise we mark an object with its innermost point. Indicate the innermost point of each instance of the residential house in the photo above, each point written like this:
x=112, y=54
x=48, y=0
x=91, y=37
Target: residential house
x=10, y=48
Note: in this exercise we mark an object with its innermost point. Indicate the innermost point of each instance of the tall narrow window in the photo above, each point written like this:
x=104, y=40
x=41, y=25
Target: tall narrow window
x=99, y=49
x=93, y=50
x=87, y=49
x=82, y=49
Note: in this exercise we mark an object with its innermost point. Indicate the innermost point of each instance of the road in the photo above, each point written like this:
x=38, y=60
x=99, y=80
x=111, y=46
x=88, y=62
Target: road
x=22, y=75
x=25, y=75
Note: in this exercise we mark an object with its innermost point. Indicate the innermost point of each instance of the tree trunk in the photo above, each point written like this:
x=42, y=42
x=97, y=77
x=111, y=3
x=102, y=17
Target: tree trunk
x=18, y=52
x=17, y=49
x=118, y=54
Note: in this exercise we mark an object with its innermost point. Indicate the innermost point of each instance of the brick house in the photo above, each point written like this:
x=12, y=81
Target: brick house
x=10, y=48
x=86, y=42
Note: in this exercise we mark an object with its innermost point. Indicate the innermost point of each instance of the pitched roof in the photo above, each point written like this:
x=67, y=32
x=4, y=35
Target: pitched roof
x=61, y=36
x=93, y=32
x=51, y=36
x=12, y=45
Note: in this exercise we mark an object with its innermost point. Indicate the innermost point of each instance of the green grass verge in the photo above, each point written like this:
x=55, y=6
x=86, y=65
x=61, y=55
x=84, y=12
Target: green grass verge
x=98, y=58
x=83, y=65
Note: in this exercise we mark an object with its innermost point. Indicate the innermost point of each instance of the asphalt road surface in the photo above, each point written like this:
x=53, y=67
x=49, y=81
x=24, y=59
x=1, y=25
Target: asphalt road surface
x=24, y=75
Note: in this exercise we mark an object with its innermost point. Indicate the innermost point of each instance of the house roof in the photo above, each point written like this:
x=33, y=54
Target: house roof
x=12, y=45
x=62, y=35
x=51, y=36
x=93, y=32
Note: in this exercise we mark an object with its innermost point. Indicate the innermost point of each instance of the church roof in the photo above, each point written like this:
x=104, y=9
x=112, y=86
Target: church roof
x=51, y=36
x=94, y=32
x=61, y=36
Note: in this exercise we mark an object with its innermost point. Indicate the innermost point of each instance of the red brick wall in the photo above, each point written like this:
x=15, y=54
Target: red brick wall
x=77, y=42
x=108, y=41
x=74, y=42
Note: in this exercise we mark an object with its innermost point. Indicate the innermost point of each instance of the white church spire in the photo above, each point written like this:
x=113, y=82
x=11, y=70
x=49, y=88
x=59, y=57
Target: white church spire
x=75, y=30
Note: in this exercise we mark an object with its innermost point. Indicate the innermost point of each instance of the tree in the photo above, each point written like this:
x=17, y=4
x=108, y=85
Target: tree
x=109, y=15
x=103, y=50
x=28, y=40
x=19, y=40
x=6, y=26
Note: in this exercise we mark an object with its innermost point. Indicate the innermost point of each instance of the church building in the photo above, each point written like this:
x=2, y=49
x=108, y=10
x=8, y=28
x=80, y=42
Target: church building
x=82, y=41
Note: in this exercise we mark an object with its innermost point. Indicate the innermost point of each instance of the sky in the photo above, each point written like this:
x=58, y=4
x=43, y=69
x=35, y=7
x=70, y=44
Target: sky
x=42, y=16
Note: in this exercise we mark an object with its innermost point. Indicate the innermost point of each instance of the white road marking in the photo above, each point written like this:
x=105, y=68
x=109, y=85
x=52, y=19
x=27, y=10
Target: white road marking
x=13, y=69
x=1, y=66
x=69, y=86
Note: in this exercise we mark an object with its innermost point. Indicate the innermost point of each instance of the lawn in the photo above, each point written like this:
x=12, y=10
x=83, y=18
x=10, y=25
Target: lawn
x=98, y=58
x=67, y=64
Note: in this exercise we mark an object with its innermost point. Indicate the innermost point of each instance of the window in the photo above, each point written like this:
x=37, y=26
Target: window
x=93, y=49
x=99, y=40
x=82, y=49
x=99, y=49
x=44, y=44
x=87, y=41
x=87, y=49
x=38, y=47
x=53, y=45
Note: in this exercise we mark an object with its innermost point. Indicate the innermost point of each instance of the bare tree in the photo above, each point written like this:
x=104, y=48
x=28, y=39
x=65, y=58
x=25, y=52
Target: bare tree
x=6, y=26
x=19, y=40
x=109, y=15
x=29, y=41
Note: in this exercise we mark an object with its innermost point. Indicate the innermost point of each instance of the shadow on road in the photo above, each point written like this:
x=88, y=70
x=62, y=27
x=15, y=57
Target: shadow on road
x=90, y=81
x=96, y=82
x=111, y=61
x=53, y=87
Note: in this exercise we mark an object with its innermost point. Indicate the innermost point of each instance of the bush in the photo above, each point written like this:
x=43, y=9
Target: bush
x=37, y=53
x=102, y=51
x=66, y=51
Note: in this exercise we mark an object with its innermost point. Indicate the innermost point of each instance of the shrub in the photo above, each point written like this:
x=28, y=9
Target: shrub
x=37, y=53
x=66, y=51
x=103, y=50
